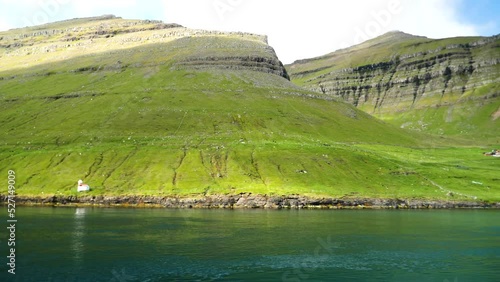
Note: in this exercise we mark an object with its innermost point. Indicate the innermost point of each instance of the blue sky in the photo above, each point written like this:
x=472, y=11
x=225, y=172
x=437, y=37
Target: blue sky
x=485, y=14
x=296, y=28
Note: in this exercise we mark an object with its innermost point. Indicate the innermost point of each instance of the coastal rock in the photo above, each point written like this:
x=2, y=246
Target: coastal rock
x=249, y=201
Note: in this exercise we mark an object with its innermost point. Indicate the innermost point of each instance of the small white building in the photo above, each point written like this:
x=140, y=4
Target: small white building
x=82, y=186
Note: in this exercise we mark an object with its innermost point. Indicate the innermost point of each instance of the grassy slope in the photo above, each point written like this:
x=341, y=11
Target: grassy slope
x=146, y=127
x=468, y=118
x=380, y=49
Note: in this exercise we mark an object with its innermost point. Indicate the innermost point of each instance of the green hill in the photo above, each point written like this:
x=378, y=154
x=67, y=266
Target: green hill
x=146, y=108
x=442, y=86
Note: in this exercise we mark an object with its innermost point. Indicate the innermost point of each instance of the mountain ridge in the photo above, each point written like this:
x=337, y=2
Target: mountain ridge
x=386, y=76
x=29, y=46
x=385, y=36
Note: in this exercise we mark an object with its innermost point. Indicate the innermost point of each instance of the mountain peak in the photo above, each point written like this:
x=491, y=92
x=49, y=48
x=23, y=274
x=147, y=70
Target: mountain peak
x=398, y=33
x=390, y=37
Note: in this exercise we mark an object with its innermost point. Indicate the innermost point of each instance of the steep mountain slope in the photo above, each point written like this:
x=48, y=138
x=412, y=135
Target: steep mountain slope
x=147, y=108
x=445, y=86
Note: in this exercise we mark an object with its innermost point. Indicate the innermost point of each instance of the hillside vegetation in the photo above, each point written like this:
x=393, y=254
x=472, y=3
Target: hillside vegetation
x=441, y=86
x=146, y=108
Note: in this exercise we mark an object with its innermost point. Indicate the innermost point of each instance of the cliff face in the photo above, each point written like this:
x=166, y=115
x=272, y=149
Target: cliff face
x=214, y=52
x=397, y=74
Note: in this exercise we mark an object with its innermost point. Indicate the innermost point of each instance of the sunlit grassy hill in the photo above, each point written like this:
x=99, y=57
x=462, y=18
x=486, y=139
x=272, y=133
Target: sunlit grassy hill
x=442, y=86
x=146, y=108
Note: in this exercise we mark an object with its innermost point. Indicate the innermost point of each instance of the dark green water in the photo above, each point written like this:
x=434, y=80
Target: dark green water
x=99, y=244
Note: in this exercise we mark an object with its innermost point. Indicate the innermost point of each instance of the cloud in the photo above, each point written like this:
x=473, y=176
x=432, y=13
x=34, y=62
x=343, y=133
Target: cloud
x=434, y=19
x=300, y=29
x=4, y=25
x=23, y=13
x=99, y=7
x=295, y=28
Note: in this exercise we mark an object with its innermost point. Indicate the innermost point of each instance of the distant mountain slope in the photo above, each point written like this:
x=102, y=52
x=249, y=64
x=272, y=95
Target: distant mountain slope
x=445, y=86
x=147, y=108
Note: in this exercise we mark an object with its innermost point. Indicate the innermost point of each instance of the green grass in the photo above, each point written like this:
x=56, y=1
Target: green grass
x=380, y=49
x=281, y=168
x=469, y=120
x=243, y=139
x=463, y=108
x=149, y=126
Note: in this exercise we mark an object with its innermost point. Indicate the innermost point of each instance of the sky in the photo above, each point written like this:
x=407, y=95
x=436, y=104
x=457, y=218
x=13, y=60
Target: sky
x=296, y=29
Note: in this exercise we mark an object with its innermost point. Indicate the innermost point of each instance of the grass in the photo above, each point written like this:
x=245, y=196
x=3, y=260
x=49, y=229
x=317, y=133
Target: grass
x=282, y=168
x=463, y=107
x=384, y=48
x=149, y=126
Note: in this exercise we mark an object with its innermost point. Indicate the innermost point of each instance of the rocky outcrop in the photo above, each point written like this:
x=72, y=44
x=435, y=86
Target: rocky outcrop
x=409, y=77
x=254, y=63
x=192, y=49
x=249, y=201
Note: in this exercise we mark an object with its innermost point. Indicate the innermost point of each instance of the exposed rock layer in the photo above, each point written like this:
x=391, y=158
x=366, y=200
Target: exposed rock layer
x=87, y=37
x=416, y=73
x=247, y=201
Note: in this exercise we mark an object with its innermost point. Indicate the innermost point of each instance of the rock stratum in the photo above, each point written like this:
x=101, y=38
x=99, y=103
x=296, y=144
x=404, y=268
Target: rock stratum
x=61, y=41
x=445, y=86
x=248, y=201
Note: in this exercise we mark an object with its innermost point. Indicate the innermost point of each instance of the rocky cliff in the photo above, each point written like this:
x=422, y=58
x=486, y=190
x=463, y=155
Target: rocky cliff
x=60, y=41
x=398, y=73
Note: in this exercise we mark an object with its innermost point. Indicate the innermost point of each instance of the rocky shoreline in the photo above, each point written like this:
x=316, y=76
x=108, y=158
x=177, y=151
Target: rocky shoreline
x=245, y=201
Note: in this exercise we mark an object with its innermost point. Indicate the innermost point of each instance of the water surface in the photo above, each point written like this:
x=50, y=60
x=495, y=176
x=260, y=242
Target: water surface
x=118, y=244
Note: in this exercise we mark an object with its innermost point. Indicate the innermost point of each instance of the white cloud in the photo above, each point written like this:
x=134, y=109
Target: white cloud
x=299, y=29
x=296, y=29
x=433, y=18
x=98, y=7
x=5, y=25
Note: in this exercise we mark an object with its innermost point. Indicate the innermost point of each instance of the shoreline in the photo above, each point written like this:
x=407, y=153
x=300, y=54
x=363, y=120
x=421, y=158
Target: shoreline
x=245, y=201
